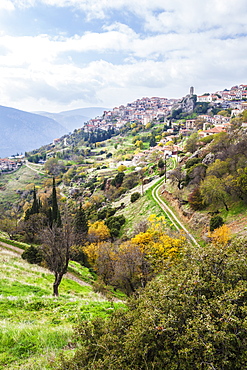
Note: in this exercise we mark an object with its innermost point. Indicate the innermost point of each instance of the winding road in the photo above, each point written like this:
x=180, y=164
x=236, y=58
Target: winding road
x=38, y=168
x=170, y=214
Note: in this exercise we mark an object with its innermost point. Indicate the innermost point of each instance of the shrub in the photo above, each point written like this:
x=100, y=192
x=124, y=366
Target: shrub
x=161, y=163
x=114, y=224
x=118, y=179
x=192, y=161
x=207, y=139
x=134, y=197
x=101, y=215
x=195, y=200
x=32, y=255
x=131, y=180
x=220, y=236
x=77, y=254
x=106, y=212
x=191, y=317
x=215, y=222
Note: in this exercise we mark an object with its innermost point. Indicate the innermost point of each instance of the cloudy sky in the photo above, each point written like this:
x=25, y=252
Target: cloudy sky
x=58, y=55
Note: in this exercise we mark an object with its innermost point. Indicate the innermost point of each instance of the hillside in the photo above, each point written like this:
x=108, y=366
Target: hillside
x=154, y=210
x=22, y=131
x=34, y=326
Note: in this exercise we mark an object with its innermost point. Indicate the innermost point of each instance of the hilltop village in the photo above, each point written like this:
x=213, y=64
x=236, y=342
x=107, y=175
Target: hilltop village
x=205, y=114
x=148, y=109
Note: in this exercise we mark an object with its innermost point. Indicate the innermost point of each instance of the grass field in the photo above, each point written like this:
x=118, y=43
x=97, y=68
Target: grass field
x=35, y=326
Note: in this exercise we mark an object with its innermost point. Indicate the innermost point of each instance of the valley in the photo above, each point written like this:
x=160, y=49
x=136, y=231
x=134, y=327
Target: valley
x=115, y=234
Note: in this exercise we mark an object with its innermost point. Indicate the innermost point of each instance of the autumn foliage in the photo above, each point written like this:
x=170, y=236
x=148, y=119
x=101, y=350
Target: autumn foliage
x=133, y=263
x=220, y=236
x=98, y=231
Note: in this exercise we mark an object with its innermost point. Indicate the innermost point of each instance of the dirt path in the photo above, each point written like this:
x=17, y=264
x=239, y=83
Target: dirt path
x=71, y=276
x=37, y=170
x=17, y=250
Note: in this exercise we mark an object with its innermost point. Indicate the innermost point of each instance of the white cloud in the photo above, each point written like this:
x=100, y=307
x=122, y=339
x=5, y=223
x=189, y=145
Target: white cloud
x=175, y=15
x=192, y=42
x=196, y=16
x=27, y=3
x=6, y=5
x=162, y=63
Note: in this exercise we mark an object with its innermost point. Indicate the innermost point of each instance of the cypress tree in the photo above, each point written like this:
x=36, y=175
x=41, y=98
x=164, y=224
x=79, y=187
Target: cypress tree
x=152, y=141
x=56, y=217
x=80, y=225
x=34, y=208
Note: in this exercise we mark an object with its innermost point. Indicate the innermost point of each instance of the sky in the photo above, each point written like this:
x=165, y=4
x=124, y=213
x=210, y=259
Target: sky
x=58, y=55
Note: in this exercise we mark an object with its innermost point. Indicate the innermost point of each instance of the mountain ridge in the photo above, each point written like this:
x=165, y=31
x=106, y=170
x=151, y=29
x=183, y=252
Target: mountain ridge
x=22, y=131
x=75, y=118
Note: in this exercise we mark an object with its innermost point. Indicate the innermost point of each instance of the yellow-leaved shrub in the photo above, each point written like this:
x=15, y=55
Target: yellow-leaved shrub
x=220, y=236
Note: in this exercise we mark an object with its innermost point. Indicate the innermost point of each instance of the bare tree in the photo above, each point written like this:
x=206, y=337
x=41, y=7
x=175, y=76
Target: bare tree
x=141, y=227
x=131, y=270
x=56, y=243
x=177, y=176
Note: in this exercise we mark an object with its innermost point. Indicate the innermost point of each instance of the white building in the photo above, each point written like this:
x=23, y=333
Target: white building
x=204, y=99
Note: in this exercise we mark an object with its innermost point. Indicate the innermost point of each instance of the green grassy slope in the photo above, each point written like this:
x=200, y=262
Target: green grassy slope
x=12, y=183
x=34, y=326
x=140, y=210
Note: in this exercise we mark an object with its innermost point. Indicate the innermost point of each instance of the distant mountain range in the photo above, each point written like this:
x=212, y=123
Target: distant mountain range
x=21, y=131
x=73, y=119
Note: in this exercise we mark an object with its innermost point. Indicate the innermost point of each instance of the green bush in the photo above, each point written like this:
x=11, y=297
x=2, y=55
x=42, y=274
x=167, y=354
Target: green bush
x=114, y=224
x=134, y=197
x=215, y=222
x=32, y=255
x=77, y=254
x=118, y=179
x=192, y=161
x=207, y=139
x=101, y=215
x=106, y=212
